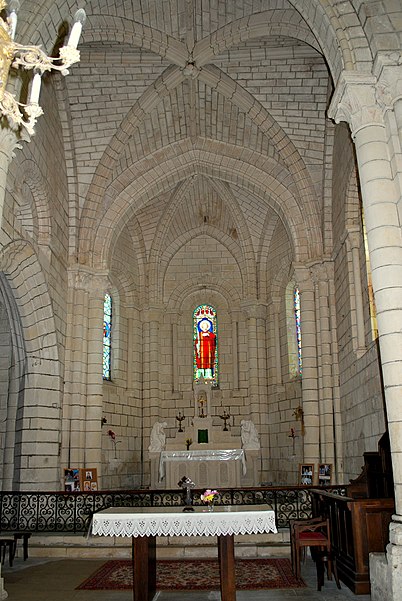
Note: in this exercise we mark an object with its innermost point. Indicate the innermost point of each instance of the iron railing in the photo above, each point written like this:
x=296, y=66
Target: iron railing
x=72, y=512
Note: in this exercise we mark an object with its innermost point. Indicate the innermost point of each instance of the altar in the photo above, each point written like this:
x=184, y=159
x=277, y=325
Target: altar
x=206, y=447
x=216, y=468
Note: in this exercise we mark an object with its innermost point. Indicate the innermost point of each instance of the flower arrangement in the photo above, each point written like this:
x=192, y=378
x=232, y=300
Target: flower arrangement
x=112, y=436
x=209, y=496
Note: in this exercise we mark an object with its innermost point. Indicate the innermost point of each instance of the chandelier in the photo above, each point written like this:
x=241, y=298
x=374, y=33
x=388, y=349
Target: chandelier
x=30, y=57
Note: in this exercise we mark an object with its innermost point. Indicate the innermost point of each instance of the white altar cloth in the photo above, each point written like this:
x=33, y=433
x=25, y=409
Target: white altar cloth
x=173, y=521
x=201, y=455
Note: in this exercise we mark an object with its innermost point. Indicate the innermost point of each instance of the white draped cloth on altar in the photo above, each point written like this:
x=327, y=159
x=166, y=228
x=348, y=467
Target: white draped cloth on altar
x=152, y=521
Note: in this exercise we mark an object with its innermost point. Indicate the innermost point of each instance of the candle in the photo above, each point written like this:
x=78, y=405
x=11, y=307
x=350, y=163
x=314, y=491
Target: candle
x=12, y=18
x=35, y=89
x=79, y=20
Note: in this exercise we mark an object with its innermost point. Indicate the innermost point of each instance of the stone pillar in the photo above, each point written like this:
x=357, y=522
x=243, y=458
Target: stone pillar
x=151, y=400
x=353, y=242
x=257, y=359
x=367, y=103
x=82, y=410
x=8, y=143
x=94, y=401
x=311, y=445
x=321, y=276
x=275, y=341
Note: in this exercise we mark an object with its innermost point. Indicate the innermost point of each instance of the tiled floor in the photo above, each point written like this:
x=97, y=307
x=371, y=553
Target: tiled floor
x=56, y=580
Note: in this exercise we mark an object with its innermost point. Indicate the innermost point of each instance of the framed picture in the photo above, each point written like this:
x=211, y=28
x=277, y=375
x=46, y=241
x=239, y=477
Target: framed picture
x=306, y=473
x=72, y=481
x=324, y=473
x=80, y=479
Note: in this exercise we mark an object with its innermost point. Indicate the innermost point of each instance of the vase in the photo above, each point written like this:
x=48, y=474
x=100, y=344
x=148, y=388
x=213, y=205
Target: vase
x=210, y=506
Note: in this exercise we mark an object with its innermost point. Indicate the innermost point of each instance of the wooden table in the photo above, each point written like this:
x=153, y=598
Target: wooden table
x=144, y=524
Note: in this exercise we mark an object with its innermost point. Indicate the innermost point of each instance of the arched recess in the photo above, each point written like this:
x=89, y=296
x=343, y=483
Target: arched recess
x=30, y=175
x=39, y=382
x=304, y=231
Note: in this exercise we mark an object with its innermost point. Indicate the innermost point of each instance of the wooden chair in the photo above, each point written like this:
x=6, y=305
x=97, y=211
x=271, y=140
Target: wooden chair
x=314, y=533
x=292, y=525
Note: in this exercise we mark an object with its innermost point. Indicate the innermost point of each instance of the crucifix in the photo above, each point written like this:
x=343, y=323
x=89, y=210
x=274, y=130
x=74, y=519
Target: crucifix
x=226, y=417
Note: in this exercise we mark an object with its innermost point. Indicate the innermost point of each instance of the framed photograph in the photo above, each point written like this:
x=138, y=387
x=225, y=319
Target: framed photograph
x=306, y=473
x=72, y=481
x=324, y=473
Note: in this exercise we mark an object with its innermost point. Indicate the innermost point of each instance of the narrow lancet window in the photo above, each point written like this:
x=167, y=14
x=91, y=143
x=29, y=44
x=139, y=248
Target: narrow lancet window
x=296, y=299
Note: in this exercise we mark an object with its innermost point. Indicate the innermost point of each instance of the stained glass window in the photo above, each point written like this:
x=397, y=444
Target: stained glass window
x=107, y=336
x=205, y=337
x=296, y=300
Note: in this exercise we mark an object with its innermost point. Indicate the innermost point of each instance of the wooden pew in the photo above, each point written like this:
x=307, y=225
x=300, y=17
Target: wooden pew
x=358, y=527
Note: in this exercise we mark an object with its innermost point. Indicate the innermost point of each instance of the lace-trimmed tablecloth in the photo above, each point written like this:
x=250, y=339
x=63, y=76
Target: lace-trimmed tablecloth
x=150, y=522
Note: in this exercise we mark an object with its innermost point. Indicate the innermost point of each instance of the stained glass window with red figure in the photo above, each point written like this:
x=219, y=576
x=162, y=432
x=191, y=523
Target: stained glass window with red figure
x=205, y=343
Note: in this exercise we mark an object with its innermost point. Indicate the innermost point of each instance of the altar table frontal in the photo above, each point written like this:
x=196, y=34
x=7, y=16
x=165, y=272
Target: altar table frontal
x=173, y=521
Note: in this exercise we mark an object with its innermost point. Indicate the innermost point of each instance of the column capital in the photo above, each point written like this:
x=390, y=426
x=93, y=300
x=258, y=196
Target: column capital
x=302, y=276
x=354, y=237
x=82, y=278
x=320, y=272
x=9, y=141
x=388, y=70
x=254, y=309
x=355, y=100
x=152, y=314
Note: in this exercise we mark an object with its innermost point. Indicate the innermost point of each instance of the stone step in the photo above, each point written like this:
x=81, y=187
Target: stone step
x=174, y=547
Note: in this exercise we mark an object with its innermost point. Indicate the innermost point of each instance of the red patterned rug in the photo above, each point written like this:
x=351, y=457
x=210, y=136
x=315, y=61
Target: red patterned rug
x=191, y=574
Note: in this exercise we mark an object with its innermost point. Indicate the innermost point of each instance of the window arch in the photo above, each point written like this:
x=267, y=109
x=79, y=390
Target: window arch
x=205, y=338
x=107, y=337
x=294, y=334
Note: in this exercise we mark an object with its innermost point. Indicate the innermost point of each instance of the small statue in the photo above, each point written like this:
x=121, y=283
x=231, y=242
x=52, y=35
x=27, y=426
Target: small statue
x=249, y=436
x=158, y=437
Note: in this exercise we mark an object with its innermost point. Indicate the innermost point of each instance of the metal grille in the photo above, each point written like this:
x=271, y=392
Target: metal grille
x=72, y=512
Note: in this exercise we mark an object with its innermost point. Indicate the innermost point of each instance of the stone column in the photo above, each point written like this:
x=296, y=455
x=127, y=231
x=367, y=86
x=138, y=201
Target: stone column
x=8, y=143
x=82, y=411
x=275, y=341
x=151, y=356
x=367, y=104
x=353, y=241
x=321, y=278
x=311, y=445
x=98, y=285
x=257, y=359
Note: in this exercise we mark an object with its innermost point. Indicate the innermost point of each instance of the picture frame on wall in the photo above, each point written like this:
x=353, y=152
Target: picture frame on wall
x=72, y=480
x=306, y=474
x=80, y=479
x=324, y=473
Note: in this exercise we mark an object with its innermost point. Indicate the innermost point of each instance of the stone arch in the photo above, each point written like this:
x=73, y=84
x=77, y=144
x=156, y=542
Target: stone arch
x=231, y=90
x=33, y=178
x=305, y=233
x=166, y=221
x=156, y=293
x=21, y=267
x=278, y=22
x=182, y=296
x=124, y=31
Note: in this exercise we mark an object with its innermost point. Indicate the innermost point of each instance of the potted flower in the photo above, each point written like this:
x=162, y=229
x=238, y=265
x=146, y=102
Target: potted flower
x=209, y=497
